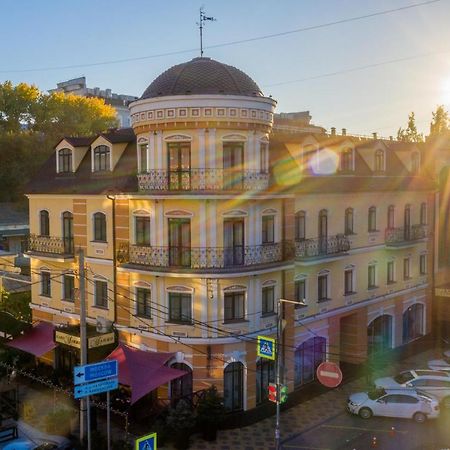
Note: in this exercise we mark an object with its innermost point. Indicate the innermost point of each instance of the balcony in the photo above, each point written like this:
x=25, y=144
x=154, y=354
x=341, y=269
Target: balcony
x=50, y=245
x=203, y=180
x=319, y=248
x=206, y=258
x=404, y=236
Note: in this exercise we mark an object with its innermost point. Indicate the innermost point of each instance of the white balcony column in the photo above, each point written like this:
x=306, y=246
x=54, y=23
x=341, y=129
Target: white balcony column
x=216, y=304
x=257, y=301
x=203, y=298
x=250, y=154
x=203, y=233
x=201, y=149
x=159, y=224
x=252, y=226
x=212, y=148
x=159, y=151
x=151, y=152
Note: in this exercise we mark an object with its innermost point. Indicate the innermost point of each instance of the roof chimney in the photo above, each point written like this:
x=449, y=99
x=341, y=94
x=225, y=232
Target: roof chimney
x=344, y=131
x=333, y=131
x=375, y=136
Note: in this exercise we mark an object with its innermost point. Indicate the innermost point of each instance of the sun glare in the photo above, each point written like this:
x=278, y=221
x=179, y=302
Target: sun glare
x=445, y=91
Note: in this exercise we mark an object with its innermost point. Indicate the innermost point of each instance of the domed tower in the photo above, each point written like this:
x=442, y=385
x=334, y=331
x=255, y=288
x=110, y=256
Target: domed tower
x=206, y=239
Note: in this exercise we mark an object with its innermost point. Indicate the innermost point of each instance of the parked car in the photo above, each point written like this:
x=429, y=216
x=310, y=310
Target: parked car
x=440, y=364
x=401, y=403
x=431, y=382
x=26, y=444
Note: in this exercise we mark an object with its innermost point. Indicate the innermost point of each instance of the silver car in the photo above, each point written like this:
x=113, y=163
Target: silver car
x=400, y=403
x=440, y=364
x=435, y=383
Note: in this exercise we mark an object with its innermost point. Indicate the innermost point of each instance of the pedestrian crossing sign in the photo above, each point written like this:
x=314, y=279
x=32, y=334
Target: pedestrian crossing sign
x=266, y=347
x=146, y=442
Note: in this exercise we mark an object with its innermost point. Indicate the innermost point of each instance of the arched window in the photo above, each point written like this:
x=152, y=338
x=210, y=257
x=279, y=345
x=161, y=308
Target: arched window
x=67, y=226
x=265, y=374
x=423, y=214
x=407, y=222
x=415, y=162
x=349, y=221
x=102, y=158
x=391, y=217
x=233, y=386
x=413, y=321
x=347, y=160
x=379, y=335
x=300, y=226
x=65, y=160
x=323, y=232
x=379, y=161
x=182, y=386
x=44, y=223
x=308, y=357
x=143, y=152
x=372, y=219
x=99, y=227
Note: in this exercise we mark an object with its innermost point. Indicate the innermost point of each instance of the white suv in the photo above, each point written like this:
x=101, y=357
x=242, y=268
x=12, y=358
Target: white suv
x=432, y=382
x=407, y=404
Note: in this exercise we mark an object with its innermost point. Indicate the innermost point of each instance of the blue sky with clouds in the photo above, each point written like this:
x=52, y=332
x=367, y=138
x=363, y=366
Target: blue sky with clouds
x=47, y=33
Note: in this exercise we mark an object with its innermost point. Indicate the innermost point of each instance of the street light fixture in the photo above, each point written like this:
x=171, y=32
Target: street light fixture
x=278, y=364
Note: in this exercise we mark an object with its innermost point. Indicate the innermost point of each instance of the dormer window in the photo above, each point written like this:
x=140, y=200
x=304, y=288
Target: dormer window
x=379, y=161
x=65, y=160
x=102, y=158
x=347, y=160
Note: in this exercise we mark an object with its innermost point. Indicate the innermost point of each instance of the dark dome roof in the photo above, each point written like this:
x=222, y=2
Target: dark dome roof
x=202, y=76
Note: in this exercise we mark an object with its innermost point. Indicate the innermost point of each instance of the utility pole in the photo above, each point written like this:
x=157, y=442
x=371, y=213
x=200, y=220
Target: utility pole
x=200, y=24
x=279, y=346
x=84, y=402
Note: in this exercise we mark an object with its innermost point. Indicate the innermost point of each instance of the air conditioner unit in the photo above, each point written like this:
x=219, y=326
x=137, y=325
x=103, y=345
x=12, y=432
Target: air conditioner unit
x=179, y=334
x=103, y=325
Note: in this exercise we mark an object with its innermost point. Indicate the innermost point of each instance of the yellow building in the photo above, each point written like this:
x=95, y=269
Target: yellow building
x=195, y=221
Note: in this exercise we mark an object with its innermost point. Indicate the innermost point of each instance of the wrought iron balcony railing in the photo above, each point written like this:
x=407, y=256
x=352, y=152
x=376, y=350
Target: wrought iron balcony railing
x=321, y=247
x=203, y=180
x=50, y=244
x=405, y=235
x=215, y=258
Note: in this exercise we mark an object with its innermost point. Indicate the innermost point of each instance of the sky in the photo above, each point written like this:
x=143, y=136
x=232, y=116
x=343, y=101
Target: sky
x=294, y=68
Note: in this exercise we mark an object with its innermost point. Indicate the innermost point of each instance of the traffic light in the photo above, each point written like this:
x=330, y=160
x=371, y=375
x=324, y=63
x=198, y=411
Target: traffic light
x=273, y=392
x=283, y=393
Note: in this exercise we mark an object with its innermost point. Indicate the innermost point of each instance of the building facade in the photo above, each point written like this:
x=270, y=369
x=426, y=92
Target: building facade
x=198, y=219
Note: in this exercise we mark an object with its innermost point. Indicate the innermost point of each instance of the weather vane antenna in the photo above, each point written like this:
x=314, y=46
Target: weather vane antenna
x=201, y=24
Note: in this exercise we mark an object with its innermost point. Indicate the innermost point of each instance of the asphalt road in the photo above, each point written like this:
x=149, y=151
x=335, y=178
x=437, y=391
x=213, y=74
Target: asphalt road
x=347, y=432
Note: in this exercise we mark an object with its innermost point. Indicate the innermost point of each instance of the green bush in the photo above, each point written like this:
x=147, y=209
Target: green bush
x=210, y=413
x=181, y=421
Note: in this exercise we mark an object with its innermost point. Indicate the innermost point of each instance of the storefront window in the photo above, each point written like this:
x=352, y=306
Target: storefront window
x=308, y=357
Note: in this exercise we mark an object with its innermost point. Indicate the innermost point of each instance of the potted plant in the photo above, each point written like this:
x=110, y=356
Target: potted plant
x=210, y=413
x=181, y=421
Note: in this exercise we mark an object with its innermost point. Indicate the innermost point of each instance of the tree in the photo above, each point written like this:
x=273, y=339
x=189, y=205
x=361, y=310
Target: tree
x=410, y=134
x=440, y=123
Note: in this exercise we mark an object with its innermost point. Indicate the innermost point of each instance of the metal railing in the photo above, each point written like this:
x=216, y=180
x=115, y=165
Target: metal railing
x=322, y=246
x=400, y=235
x=205, y=257
x=50, y=244
x=203, y=180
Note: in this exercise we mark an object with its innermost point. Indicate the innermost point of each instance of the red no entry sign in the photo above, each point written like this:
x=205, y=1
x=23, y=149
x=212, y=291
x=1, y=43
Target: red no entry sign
x=329, y=374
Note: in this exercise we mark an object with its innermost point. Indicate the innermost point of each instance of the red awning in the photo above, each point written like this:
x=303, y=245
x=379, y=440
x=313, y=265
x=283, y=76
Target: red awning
x=37, y=341
x=143, y=371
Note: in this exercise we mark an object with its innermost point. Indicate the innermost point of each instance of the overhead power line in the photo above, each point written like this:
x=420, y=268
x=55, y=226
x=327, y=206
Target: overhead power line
x=229, y=43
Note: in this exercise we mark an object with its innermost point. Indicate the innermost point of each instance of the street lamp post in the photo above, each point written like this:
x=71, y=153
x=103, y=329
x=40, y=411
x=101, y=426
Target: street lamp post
x=278, y=364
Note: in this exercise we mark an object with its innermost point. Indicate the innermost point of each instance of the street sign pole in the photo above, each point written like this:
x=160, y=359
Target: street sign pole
x=277, y=380
x=108, y=419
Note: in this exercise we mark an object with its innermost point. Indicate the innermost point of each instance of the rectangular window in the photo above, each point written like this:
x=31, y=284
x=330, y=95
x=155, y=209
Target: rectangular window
x=268, y=228
x=300, y=292
x=142, y=226
x=264, y=149
x=68, y=288
x=348, y=282
x=143, y=300
x=300, y=226
x=322, y=288
x=101, y=294
x=143, y=157
x=390, y=272
x=406, y=269
x=102, y=159
x=179, y=163
x=99, y=227
x=268, y=299
x=423, y=264
x=349, y=221
x=371, y=275
x=180, y=307
x=46, y=284
x=234, y=306
x=372, y=219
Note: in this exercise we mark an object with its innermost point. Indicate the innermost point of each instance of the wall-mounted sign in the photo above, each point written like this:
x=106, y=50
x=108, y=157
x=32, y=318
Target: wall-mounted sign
x=101, y=339
x=442, y=292
x=67, y=339
x=93, y=342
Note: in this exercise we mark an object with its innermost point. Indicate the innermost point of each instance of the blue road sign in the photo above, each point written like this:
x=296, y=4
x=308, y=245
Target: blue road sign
x=266, y=347
x=96, y=387
x=146, y=442
x=97, y=371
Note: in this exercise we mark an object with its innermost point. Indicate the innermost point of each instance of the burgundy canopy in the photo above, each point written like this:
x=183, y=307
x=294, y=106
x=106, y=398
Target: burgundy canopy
x=37, y=341
x=143, y=371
